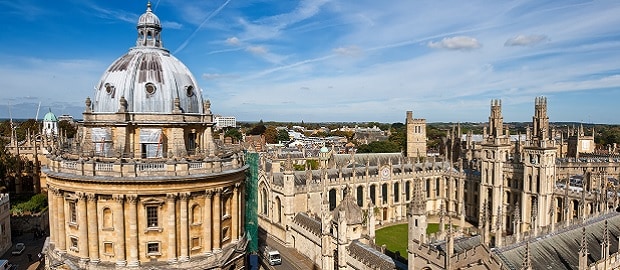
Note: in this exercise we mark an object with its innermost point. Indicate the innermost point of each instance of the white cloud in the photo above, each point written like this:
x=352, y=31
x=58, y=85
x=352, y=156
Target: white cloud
x=348, y=51
x=233, y=41
x=256, y=49
x=171, y=25
x=456, y=43
x=212, y=76
x=525, y=40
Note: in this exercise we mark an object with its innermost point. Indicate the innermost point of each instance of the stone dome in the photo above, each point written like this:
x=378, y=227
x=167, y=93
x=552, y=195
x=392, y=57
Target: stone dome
x=352, y=212
x=148, y=79
x=149, y=18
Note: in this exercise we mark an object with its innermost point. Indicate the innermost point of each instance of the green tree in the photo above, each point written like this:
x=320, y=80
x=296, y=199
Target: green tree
x=282, y=136
x=379, y=147
x=258, y=129
x=270, y=134
x=233, y=133
x=65, y=126
x=29, y=125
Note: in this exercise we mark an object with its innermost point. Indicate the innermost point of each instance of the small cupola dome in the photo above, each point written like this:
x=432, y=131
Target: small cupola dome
x=149, y=29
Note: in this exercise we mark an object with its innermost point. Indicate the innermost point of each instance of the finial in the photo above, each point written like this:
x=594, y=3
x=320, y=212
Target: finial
x=148, y=6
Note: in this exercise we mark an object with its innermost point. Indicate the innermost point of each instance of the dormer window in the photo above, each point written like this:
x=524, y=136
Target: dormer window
x=150, y=89
x=189, y=90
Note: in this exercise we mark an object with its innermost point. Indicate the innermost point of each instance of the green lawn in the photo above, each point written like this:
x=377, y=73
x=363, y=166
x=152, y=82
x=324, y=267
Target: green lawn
x=395, y=237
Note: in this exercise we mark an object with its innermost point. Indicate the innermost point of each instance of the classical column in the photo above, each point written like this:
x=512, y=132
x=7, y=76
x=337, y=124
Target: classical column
x=62, y=223
x=206, y=233
x=93, y=233
x=235, y=214
x=184, y=227
x=132, y=243
x=119, y=230
x=53, y=214
x=82, y=227
x=171, y=228
x=217, y=216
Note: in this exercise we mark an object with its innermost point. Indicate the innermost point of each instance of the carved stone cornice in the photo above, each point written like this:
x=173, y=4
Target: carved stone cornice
x=171, y=196
x=91, y=197
x=184, y=195
x=132, y=198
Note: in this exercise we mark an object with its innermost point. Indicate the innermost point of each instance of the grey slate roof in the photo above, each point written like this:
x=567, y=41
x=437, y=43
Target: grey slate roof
x=560, y=250
x=311, y=224
x=370, y=256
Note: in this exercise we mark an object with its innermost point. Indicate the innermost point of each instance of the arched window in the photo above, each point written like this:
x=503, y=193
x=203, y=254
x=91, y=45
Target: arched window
x=428, y=188
x=384, y=195
x=332, y=199
x=278, y=209
x=373, y=194
x=360, y=196
x=264, y=201
x=396, y=192
x=107, y=218
x=407, y=190
x=196, y=214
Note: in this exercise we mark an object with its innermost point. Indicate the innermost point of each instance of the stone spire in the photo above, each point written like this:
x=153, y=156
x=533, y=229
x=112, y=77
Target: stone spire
x=517, y=222
x=499, y=226
x=534, y=216
x=527, y=260
x=496, y=120
x=583, y=251
x=605, y=243
x=416, y=214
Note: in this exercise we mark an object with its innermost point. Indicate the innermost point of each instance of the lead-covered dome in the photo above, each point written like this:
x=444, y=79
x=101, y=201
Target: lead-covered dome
x=148, y=79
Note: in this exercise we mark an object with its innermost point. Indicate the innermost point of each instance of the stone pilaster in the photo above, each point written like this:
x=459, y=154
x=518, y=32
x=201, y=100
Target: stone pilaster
x=184, y=227
x=132, y=244
x=53, y=215
x=235, y=214
x=82, y=227
x=119, y=230
x=206, y=233
x=217, y=217
x=62, y=223
x=171, y=228
x=93, y=233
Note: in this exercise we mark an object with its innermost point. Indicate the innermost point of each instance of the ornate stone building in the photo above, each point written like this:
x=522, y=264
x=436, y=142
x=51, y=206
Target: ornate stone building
x=144, y=186
x=517, y=189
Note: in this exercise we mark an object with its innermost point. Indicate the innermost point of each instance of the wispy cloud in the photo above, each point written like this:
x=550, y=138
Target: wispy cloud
x=214, y=13
x=114, y=14
x=456, y=43
x=525, y=40
x=171, y=25
x=257, y=49
x=24, y=9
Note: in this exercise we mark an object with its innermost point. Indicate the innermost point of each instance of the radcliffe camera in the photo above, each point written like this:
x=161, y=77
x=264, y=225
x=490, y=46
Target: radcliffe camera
x=310, y=135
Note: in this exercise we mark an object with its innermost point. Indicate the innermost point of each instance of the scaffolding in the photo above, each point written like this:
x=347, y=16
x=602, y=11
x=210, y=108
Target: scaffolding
x=251, y=202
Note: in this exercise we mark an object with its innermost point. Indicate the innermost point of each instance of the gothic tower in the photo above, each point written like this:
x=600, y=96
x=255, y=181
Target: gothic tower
x=416, y=215
x=416, y=136
x=539, y=155
x=495, y=151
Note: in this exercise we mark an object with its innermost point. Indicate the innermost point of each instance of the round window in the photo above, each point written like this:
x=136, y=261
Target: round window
x=189, y=90
x=150, y=88
x=109, y=88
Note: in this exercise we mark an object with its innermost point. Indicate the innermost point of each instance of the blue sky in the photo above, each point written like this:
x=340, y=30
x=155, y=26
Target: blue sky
x=330, y=60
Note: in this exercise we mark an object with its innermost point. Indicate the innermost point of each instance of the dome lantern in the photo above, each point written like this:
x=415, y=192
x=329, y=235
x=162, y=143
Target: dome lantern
x=149, y=29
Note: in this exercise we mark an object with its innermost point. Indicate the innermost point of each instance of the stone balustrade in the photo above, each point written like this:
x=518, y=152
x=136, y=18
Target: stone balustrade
x=144, y=168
